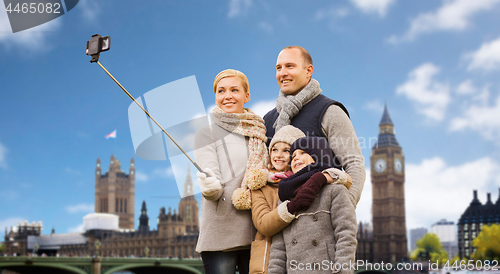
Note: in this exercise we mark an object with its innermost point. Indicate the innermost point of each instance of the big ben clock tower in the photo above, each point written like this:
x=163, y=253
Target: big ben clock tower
x=388, y=209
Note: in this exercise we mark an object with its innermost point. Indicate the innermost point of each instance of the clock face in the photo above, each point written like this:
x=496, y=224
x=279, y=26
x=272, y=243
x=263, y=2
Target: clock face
x=380, y=165
x=398, y=165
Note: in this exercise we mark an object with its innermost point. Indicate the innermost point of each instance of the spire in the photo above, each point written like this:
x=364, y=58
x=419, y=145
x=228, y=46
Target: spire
x=475, y=209
x=386, y=135
x=386, y=119
x=144, y=219
x=498, y=199
x=143, y=208
x=188, y=184
x=475, y=200
x=488, y=202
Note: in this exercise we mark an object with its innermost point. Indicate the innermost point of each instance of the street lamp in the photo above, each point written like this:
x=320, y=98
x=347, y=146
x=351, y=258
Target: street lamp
x=97, y=245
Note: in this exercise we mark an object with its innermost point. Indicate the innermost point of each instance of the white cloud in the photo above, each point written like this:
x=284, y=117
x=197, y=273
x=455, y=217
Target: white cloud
x=373, y=6
x=90, y=9
x=266, y=27
x=3, y=153
x=9, y=195
x=74, y=229
x=85, y=208
x=238, y=7
x=261, y=108
x=429, y=96
x=164, y=172
x=447, y=189
x=73, y=171
x=331, y=15
x=453, y=15
x=141, y=177
x=466, y=88
x=34, y=39
x=375, y=106
x=480, y=117
x=364, y=207
x=7, y=223
x=487, y=57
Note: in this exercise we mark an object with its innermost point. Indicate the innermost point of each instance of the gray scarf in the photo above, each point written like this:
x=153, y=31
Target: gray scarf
x=288, y=106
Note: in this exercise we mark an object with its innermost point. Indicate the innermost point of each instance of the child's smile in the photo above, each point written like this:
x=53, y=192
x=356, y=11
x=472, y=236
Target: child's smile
x=280, y=156
x=300, y=159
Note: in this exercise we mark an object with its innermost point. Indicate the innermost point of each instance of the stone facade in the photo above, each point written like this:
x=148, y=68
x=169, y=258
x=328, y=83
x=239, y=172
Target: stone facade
x=176, y=234
x=115, y=192
x=472, y=221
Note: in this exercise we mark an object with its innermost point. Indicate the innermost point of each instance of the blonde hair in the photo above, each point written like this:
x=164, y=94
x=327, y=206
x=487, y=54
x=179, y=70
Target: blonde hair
x=232, y=73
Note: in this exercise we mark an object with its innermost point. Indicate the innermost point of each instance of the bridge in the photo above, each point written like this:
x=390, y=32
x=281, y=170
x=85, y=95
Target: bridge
x=105, y=265
x=109, y=265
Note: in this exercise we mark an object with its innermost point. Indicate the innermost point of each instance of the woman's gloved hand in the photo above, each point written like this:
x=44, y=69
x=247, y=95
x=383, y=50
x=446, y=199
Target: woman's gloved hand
x=208, y=185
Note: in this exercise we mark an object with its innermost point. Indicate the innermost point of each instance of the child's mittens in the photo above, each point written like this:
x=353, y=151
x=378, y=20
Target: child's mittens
x=208, y=185
x=304, y=197
x=315, y=183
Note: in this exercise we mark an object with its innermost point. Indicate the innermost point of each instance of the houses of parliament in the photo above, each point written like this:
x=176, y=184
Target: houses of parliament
x=110, y=230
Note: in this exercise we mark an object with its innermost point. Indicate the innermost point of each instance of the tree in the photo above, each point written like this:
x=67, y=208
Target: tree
x=487, y=243
x=430, y=248
x=1, y=248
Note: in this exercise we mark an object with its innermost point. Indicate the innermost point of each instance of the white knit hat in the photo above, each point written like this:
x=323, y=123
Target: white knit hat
x=287, y=134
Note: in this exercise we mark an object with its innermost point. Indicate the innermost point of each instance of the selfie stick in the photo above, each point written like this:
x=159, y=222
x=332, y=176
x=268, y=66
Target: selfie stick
x=98, y=44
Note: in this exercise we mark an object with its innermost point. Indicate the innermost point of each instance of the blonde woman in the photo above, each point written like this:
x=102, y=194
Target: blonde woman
x=228, y=150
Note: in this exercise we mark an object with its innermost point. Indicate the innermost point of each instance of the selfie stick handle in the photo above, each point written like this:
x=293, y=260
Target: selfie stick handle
x=145, y=111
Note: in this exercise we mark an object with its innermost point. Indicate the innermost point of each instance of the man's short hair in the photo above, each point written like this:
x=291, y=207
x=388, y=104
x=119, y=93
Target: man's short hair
x=305, y=54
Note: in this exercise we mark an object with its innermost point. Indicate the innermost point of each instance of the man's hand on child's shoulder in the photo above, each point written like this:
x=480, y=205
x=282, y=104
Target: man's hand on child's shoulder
x=337, y=176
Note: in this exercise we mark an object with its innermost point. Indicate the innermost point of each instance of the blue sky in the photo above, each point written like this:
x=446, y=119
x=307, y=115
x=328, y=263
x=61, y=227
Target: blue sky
x=435, y=64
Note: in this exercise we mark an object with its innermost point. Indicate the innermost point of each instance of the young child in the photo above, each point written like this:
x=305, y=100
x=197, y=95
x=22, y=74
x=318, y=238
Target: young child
x=323, y=237
x=267, y=216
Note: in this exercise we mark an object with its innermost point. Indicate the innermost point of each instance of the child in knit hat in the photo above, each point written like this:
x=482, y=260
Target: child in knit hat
x=323, y=237
x=268, y=217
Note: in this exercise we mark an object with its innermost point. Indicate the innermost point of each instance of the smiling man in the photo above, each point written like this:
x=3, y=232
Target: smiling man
x=301, y=104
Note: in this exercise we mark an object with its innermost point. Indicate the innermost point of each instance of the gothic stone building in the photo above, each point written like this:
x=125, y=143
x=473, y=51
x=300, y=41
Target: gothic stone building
x=472, y=221
x=176, y=234
x=115, y=192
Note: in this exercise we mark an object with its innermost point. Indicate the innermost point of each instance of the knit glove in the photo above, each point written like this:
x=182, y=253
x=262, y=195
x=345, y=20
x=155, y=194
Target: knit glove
x=305, y=195
x=273, y=177
x=209, y=186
